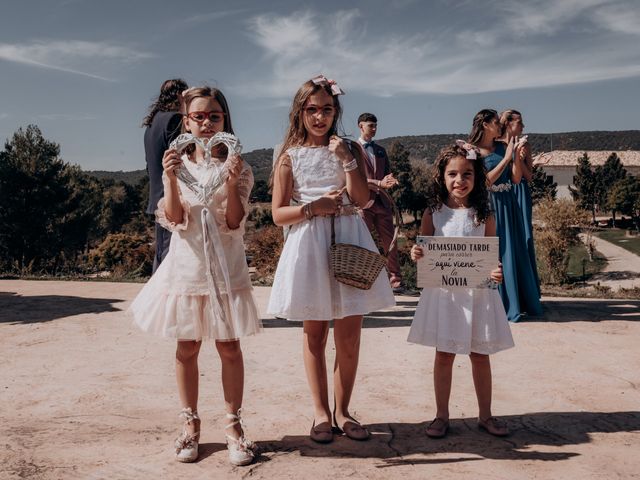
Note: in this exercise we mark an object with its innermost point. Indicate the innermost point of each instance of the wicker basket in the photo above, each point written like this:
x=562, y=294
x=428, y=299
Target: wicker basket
x=356, y=266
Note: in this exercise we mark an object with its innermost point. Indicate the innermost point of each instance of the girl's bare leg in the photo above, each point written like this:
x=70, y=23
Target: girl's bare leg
x=232, y=379
x=442, y=375
x=187, y=378
x=481, y=368
x=314, y=343
x=346, y=332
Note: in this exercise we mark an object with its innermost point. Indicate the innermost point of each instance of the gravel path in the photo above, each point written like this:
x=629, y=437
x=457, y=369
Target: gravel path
x=623, y=267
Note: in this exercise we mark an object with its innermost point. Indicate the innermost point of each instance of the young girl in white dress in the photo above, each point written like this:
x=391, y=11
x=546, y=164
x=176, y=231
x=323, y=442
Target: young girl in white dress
x=202, y=289
x=325, y=176
x=460, y=321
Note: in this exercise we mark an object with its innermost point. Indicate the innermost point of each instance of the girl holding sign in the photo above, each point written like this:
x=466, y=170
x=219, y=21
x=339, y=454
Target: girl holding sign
x=464, y=320
x=202, y=289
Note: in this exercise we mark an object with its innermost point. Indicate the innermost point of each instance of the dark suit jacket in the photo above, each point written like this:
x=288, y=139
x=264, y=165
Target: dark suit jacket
x=383, y=168
x=164, y=127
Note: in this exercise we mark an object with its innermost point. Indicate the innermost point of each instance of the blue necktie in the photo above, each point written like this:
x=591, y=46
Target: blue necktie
x=367, y=144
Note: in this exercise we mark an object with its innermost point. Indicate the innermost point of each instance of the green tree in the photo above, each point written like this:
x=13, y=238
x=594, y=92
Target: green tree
x=420, y=183
x=76, y=228
x=607, y=176
x=44, y=207
x=121, y=204
x=260, y=192
x=624, y=197
x=403, y=172
x=585, y=186
x=542, y=185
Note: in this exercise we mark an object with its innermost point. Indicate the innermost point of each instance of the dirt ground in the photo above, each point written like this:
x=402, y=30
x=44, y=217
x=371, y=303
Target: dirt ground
x=85, y=395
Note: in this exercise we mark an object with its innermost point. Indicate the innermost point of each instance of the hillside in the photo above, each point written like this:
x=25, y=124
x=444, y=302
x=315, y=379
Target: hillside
x=426, y=147
x=131, y=177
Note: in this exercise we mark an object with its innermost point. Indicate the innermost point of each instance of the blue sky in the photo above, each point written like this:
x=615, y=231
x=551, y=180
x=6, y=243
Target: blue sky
x=85, y=71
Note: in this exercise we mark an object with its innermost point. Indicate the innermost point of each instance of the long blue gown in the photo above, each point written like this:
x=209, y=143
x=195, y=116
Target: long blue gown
x=519, y=290
x=522, y=192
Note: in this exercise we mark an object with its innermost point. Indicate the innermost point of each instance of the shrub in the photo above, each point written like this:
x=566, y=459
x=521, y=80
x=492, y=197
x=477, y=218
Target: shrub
x=264, y=247
x=260, y=216
x=558, y=223
x=124, y=255
x=408, y=267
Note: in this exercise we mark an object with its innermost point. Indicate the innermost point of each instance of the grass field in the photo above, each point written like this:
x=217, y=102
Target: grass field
x=579, y=254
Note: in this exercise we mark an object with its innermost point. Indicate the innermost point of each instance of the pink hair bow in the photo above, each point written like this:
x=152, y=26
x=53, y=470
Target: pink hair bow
x=471, y=150
x=324, y=81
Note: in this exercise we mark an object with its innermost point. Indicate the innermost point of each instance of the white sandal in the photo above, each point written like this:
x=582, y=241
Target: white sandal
x=240, y=449
x=187, y=443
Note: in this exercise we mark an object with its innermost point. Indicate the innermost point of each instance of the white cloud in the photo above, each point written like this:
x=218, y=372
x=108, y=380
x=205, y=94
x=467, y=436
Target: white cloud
x=544, y=17
x=72, y=56
x=619, y=19
x=288, y=36
x=548, y=43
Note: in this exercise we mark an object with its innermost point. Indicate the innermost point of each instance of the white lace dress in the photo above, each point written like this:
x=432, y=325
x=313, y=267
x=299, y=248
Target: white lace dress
x=303, y=287
x=202, y=288
x=460, y=320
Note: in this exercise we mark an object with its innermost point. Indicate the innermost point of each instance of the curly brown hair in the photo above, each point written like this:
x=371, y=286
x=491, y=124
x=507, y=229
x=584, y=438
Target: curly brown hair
x=479, y=196
x=168, y=100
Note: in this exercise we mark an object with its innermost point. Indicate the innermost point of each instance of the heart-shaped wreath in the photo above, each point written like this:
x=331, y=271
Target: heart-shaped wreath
x=205, y=191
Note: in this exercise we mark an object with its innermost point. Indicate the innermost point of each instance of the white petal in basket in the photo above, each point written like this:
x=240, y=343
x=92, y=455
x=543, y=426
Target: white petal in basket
x=205, y=191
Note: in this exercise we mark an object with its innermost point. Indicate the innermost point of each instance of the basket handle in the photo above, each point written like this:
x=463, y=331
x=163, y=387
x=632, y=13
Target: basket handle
x=396, y=231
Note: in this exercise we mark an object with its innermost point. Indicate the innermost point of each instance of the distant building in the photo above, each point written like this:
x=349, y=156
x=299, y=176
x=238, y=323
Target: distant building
x=561, y=164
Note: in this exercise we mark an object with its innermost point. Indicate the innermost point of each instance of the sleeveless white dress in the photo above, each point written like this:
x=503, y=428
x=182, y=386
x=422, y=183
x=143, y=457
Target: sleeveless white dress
x=460, y=320
x=304, y=287
x=202, y=288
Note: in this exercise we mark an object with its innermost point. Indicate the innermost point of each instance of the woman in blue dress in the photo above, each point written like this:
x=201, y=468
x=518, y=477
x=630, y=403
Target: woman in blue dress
x=519, y=290
x=512, y=125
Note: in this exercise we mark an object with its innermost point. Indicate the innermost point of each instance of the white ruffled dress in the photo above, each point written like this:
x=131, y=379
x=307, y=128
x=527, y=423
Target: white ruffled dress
x=466, y=320
x=202, y=288
x=304, y=287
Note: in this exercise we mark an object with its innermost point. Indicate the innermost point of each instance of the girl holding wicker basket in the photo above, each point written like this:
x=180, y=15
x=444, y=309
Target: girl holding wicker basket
x=324, y=175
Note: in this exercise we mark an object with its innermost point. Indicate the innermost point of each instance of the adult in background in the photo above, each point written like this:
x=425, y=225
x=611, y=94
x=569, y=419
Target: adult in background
x=518, y=291
x=513, y=126
x=378, y=215
x=163, y=126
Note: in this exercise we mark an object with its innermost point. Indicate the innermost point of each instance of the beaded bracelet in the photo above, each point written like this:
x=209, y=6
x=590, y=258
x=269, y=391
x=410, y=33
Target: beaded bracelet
x=306, y=210
x=349, y=166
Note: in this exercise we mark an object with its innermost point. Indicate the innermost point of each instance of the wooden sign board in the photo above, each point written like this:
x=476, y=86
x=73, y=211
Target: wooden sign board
x=457, y=262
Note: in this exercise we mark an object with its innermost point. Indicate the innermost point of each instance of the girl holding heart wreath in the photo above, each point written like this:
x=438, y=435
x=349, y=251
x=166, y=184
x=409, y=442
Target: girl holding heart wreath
x=202, y=289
